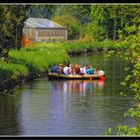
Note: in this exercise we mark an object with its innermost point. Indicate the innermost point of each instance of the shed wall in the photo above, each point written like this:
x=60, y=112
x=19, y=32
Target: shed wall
x=29, y=32
x=45, y=34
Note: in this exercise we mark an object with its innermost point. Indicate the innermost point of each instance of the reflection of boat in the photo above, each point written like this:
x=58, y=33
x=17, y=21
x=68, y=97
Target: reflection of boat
x=52, y=75
x=78, y=86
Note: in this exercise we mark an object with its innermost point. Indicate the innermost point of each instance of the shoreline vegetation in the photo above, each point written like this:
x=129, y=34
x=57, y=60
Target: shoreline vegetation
x=34, y=60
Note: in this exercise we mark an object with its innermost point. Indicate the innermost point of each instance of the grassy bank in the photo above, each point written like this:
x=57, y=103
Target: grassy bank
x=34, y=61
x=80, y=47
x=29, y=63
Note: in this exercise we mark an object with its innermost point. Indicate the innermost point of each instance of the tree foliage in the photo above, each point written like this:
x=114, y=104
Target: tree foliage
x=132, y=55
x=11, y=23
x=114, y=21
x=80, y=12
x=42, y=11
x=72, y=24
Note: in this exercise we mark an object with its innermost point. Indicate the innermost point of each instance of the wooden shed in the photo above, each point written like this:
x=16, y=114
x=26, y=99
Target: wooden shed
x=42, y=29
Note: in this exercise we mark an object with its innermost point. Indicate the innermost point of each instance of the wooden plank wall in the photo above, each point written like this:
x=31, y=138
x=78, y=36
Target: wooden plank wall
x=45, y=34
x=29, y=32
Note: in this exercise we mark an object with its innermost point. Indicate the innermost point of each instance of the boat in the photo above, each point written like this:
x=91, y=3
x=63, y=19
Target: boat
x=54, y=75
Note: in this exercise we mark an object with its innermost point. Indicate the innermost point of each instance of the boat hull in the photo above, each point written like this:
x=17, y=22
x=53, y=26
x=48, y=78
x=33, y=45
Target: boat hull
x=64, y=76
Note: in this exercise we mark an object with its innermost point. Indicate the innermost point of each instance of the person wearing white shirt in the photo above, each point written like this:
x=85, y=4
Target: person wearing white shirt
x=66, y=70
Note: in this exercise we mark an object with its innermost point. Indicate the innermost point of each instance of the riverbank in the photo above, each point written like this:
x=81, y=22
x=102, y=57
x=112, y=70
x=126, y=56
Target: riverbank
x=28, y=64
x=79, y=47
x=34, y=61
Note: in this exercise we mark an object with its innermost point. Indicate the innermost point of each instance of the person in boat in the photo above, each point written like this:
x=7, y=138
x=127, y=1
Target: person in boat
x=90, y=70
x=101, y=73
x=55, y=68
x=85, y=69
x=77, y=69
x=71, y=69
x=66, y=69
x=61, y=68
x=96, y=71
x=82, y=72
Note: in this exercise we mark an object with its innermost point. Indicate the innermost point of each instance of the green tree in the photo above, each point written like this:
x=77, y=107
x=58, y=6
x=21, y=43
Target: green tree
x=11, y=23
x=132, y=80
x=132, y=55
x=110, y=21
x=98, y=21
x=42, y=11
x=80, y=12
x=72, y=24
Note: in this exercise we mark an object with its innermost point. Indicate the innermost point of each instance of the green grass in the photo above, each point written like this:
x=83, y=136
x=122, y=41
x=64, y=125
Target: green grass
x=12, y=71
x=78, y=47
x=31, y=61
x=39, y=59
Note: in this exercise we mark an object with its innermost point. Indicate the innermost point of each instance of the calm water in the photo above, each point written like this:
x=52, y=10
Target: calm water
x=68, y=107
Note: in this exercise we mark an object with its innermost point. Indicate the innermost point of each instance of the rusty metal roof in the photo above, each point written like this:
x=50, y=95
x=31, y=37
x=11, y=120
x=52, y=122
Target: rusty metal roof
x=42, y=23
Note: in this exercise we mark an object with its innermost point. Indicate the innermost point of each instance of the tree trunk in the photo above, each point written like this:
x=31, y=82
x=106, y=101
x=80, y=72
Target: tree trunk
x=115, y=29
x=16, y=39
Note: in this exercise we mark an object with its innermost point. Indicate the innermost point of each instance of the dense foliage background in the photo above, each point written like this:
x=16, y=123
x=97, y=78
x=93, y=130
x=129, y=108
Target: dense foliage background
x=92, y=21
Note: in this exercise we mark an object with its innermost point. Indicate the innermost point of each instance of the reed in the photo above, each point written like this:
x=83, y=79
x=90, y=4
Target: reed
x=11, y=70
x=38, y=59
x=79, y=47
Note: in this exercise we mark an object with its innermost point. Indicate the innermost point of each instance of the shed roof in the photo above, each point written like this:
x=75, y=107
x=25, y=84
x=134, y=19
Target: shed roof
x=42, y=23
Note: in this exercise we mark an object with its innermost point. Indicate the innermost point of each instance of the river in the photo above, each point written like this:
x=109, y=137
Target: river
x=68, y=107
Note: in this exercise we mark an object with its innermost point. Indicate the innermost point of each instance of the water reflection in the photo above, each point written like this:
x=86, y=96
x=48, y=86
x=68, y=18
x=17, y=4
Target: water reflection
x=9, y=119
x=70, y=107
x=84, y=87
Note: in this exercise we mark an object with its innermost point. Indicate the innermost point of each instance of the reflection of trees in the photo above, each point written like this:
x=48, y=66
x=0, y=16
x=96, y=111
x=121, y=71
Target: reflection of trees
x=9, y=111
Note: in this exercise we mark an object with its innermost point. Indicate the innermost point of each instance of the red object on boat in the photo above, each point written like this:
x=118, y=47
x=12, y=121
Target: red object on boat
x=90, y=78
x=102, y=78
